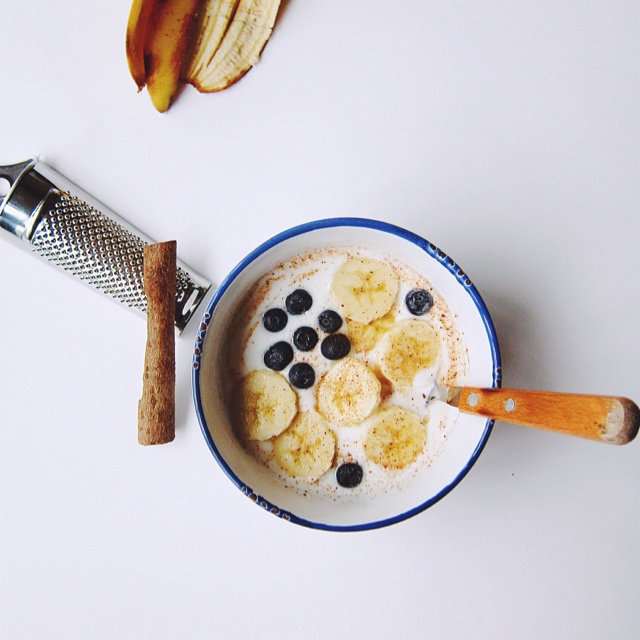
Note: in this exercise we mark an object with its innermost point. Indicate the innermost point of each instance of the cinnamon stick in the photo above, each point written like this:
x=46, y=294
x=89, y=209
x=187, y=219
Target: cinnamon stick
x=156, y=408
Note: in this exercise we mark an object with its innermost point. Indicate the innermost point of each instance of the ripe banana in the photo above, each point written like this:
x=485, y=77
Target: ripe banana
x=364, y=289
x=395, y=438
x=406, y=349
x=307, y=448
x=217, y=67
x=264, y=405
x=348, y=393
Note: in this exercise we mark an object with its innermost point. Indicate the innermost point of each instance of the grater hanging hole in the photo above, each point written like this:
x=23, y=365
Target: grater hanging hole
x=5, y=185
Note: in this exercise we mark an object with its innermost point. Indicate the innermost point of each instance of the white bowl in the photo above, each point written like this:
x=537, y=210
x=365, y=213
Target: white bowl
x=466, y=440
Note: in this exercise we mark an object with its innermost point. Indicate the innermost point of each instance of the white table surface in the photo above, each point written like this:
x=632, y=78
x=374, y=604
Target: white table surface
x=508, y=134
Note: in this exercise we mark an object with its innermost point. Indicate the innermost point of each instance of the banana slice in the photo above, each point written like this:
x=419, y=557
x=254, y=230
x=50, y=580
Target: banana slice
x=364, y=289
x=307, y=448
x=364, y=337
x=348, y=393
x=264, y=405
x=395, y=438
x=406, y=349
x=240, y=48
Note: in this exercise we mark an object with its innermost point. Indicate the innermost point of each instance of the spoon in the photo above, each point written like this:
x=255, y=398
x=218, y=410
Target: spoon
x=607, y=419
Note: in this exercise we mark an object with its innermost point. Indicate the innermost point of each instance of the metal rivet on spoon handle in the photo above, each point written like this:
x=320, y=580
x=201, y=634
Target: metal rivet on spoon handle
x=604, y=418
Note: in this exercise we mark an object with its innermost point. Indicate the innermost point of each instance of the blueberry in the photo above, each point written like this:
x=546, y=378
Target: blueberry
x=349, y=474
x=278, y=356
x=335, y=346
x=275, y=320
x=418, y=301
x=298, y=302
x=329, y=321
x=302, y=375
x=305, y=338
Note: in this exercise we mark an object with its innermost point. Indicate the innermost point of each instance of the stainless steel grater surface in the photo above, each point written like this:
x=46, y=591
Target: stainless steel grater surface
x=66, y=227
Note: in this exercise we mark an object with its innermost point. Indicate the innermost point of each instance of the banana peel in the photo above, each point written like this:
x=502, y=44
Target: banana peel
x=215, y=18
x=137, y=28
x=246, y=36
x=164, y=49
x=209, y=44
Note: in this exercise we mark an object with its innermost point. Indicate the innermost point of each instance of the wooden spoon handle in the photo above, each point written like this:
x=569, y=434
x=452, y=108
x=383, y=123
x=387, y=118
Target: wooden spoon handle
x=603, y=418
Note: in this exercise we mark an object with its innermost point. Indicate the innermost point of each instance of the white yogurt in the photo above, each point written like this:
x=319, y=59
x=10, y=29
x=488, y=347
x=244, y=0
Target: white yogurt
x=314, y=273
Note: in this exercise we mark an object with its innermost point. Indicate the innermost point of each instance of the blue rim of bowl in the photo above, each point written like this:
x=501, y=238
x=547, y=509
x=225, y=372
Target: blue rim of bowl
x=386, y=227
